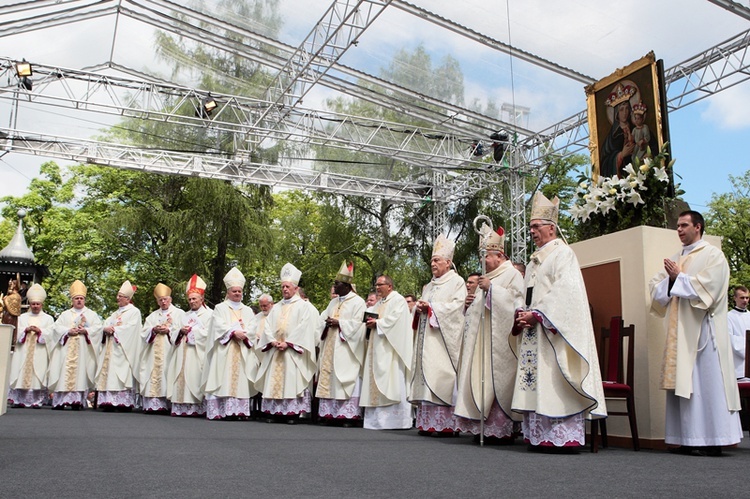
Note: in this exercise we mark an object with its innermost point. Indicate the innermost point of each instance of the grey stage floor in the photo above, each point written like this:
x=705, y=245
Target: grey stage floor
x=55, y=454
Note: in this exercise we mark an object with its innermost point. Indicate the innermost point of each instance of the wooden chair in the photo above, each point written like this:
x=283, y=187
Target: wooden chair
x=617, y=384
x=744, y=387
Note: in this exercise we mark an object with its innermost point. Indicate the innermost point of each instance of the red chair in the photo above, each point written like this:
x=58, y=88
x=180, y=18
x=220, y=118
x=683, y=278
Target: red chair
x=617, y=385
x=744, y=387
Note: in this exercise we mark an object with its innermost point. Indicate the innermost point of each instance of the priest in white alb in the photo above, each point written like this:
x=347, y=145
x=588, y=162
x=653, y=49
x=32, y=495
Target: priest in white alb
x=440, y=327
x=231, y=364
x=76, y=339
x=558, y=382
x=342, y=352
x=387, y=361
x=118, y=356
x=156, y=351
x=28, y=368
x=288, y=342
x=703, y=402
x=186, y=367
x=488, y=365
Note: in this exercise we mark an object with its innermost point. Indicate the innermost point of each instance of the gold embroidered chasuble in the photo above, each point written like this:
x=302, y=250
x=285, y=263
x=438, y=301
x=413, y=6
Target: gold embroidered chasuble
x=156, y=351
x=340, y=361
x=231, y=366
x=30, y=360
x=287, y=374
x=73, y=359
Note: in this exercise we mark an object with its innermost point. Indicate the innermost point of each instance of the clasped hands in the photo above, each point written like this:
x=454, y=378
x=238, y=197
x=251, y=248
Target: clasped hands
x=525, y=319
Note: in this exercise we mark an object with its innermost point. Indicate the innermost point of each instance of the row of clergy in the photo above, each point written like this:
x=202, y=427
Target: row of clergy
x=476, y=366
x=205, y=361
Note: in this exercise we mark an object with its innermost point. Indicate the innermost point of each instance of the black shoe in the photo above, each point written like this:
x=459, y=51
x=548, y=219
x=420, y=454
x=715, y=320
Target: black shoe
x=424, y=433
x=684, y=450
x=710, y=451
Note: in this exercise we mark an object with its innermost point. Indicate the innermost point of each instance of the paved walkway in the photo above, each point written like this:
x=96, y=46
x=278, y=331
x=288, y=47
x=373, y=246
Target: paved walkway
x=56, y=454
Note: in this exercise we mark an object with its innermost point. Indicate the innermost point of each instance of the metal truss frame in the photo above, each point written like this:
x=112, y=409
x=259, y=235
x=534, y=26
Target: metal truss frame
x=440, y=147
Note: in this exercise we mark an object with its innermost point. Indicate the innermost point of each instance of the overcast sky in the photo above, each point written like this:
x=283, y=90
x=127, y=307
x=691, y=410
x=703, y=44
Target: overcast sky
x=589, y=36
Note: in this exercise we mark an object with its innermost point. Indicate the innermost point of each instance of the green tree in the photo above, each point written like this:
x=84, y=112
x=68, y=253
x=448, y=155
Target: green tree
x=727, y=217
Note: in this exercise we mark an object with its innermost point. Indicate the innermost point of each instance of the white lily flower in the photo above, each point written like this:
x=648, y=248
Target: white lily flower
x=635, y=198
x=661, y=175
x=629, y=170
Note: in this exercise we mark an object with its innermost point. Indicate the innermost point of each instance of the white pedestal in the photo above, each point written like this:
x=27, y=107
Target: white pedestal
x=6, y=340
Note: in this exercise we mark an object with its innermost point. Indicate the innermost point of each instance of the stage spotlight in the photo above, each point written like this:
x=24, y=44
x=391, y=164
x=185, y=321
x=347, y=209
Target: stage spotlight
x=499, y=145
x=207, y=107
x=23, y=70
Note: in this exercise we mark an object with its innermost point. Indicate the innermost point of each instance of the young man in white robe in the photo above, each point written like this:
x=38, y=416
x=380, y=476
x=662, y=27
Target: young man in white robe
x=231, y=361
x=342, y=352
x=156, y=351
x=558, y=383
x=76, y=339
x=288, y=342
x=738, y=320
x=703, y=403
x=118, y=354
x=440, y=327
x=28, y=368
x=488, y=365
x=388, y=361
x=186, y=367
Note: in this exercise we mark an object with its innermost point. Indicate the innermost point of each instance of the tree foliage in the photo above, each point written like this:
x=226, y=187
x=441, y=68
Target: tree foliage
x=727, y=217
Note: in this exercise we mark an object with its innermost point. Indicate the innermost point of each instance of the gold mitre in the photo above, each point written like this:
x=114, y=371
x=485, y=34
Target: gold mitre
x=544, y=209
x=619, y=94
x=162, y=290
x=77, y=289
x=346, y=273
x=443, y=247
x=290, y=273
x=195, y=285
x=493, y=241
x=234, y=279
x=36, y=293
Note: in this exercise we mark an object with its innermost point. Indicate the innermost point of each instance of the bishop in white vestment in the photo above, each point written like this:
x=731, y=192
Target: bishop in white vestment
x=28, y=368
x=76, y=339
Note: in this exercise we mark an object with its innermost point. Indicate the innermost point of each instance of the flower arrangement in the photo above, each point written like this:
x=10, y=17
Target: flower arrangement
x=610, y=204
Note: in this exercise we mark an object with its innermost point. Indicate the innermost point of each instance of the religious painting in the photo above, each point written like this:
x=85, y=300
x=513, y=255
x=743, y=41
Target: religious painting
x=625, y=117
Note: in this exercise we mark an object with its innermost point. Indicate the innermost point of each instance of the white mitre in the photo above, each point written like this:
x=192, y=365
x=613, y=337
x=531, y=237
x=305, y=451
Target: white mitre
x=443, y=247
x=234, y=278
x=127, y=290
x=290, y=273
x=36, y=293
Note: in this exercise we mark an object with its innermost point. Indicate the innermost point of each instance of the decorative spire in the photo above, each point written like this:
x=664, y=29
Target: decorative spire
x=17, y=250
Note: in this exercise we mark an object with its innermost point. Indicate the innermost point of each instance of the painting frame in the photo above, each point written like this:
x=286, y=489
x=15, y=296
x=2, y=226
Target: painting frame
x=609, y=143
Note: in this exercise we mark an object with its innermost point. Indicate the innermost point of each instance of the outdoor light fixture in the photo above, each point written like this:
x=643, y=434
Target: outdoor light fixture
x=208, y=104
x=23, y=70
x=499, y=145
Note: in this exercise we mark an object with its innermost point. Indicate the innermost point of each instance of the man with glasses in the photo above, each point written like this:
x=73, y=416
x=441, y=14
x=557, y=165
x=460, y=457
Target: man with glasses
x=558, y=382
x=388, y=360
x=438, y=344
x=342, y=352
